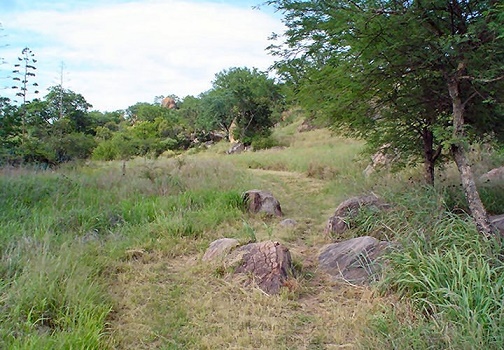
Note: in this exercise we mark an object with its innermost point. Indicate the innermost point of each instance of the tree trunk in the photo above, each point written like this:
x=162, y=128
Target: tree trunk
x=478, y=211
x=429, y=157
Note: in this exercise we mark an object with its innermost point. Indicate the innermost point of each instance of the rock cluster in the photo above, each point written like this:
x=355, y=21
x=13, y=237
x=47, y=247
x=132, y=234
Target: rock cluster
x=268, y=264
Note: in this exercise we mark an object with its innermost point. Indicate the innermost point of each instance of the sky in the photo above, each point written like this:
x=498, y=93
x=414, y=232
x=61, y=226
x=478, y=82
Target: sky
x=120, y=52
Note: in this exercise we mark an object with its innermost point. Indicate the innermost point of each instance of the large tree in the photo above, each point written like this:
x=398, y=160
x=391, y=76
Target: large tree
x=410, y=74
x=65, y=105
x=244, y=96
x=10, y=126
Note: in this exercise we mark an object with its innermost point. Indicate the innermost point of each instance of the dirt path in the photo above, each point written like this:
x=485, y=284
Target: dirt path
x=176, y=302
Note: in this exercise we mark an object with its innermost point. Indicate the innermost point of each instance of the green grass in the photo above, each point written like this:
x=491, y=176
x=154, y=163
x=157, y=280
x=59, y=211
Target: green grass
x=448, y=278
x=92, y=258
x=61, y=231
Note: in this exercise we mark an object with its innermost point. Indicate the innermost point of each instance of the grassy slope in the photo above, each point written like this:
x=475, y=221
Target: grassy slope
x=95, y=259
x=196, y=307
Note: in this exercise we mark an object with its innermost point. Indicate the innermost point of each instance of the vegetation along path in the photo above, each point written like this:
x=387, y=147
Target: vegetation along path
x=176, y=301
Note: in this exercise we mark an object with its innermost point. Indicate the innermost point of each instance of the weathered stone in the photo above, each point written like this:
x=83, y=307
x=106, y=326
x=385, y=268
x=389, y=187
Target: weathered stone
x=305, y=126
x=380, y=160
x=236, y=148
x=220, y=248
x=355, y=261
x=494, y=175
x=288, y=223
x=266, y=264
x=498, y=222
x=339, y=222
x=262, y=201
x=169, y=103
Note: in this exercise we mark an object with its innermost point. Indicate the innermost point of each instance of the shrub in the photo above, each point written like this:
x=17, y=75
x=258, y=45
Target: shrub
x=264, y=142
x=105, y=150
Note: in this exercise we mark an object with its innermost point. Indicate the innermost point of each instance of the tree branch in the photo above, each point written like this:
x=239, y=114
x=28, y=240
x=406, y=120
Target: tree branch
x=480, y=80
x=436, y=154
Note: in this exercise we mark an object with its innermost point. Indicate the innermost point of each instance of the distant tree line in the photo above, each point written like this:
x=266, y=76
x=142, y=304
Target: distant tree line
x=61, y=126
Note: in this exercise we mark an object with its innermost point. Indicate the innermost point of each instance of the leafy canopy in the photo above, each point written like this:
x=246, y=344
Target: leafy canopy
x=379, y=70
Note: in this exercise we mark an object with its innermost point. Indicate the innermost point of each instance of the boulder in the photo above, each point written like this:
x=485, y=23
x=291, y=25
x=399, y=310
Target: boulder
x=305, y=126
x=262, y=201
x=355, y=261
x=498, y=222
x=380, y=160
x=216, y=136
x=288, y=223
x=339, y=222
x=220, y=248
x=493, y=175
x=169, y=103
x=266, y=264
x=236, y=148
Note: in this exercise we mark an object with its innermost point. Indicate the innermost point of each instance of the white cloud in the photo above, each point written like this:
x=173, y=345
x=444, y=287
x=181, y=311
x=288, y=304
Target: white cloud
x=120, y=54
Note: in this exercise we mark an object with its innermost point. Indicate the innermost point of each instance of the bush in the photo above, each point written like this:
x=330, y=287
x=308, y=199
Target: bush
x=264, y=142
x=106, y=150
x=72, y=146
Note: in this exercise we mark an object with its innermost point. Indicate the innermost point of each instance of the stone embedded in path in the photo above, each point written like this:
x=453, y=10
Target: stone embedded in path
x=348, y=209
x=220, y=248
x=288, y=223
x=266, y=264
x=355, y=260
x=262, y=201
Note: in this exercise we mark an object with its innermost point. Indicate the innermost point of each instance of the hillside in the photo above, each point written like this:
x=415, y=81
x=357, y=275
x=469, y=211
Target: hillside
x=94, y=258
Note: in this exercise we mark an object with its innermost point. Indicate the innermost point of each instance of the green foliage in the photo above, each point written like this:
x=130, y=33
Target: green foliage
x=243, y=96
x=55, y=304
x=260, y=142
x=71, y=146
x=62, y=233
x=10, y=125
x=60, y=127
x=64, y=104
x=380, y=70
x=491, y=196
x=454, y=276
x=447, y=277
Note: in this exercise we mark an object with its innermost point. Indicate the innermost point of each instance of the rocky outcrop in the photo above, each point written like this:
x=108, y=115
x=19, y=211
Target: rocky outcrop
x=380, y=160
x=306, y=125
x=340, y=221
x=236, y=148
x=169, y=102
x=257, y=201
x=356, y=261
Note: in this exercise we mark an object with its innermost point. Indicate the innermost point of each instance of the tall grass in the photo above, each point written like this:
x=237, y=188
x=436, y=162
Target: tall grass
x=95, y=257
x=446, y=273
x=54, y=302
x=62, y=232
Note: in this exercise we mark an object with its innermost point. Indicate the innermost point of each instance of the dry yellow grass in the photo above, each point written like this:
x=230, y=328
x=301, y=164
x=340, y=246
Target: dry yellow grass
x=180, y=303
x=167, y=301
